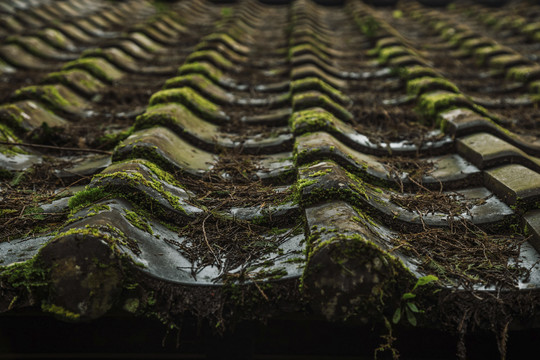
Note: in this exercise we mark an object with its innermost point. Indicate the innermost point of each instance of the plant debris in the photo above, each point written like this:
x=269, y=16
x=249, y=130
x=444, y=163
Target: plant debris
x=466, y=255
x=218, y=239
x=21, y=197
x=228, y=244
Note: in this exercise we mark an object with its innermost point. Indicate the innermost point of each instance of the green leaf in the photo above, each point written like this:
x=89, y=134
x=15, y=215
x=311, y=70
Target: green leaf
x=424, y=280
x=413, y=307
x=397, y=316
x=410, y=317
x=408, y=296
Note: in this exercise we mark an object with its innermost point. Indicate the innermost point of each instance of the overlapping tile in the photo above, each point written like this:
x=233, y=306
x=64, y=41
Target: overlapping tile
x=295, y=151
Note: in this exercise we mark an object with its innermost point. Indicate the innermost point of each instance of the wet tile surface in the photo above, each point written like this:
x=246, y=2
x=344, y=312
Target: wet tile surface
x=233, y=156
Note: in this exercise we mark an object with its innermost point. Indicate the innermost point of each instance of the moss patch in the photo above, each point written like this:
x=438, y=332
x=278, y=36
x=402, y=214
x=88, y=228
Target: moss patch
x=421, y=85
x=312, y=99
x=97, y=67
x=192, y=100
x=211, y=56
x=314, y=83
x=203, y=68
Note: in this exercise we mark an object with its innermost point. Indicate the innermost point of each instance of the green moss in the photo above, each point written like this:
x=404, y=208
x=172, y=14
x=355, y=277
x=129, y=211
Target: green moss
x=489, y=20
x=86, y=197
x=191, y=99
x=368, y=25
x=196, y=81
x=137, y=221
x=48, y=94
x=483, y=53
x=431, y=104
x=459, y=37
x=125, y=152
x=226, y=39
x=226, y=12
x=470, y=45
x=302, y=122
x=60, y=312
x=134, y=179
x=387, y=53
x=534, y=87
x=440, y=26
x=211, y=56
x=75, y=78
x=314, y=83
x=421, y=85
x=99, y=208
x=109, y=141
x=308, y=48
x=28, y=45
x=320, y=173
x=7, y=134
x=202, y=85
x=96, y=67
x=523, y=73
x=54, y=38
x=131, y=305
x=203, y=68
x=346, y=256
x=29, y=274
x=356, y=191
x=312, y=99
x=518, y=22
x=297, y=189
x=111, y=235
x=530, y=28
x=11, y=115
x=158, y=172
x=385, y=42
x=500, y=62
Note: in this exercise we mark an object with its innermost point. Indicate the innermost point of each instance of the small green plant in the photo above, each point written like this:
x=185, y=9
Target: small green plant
x=408, y=306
